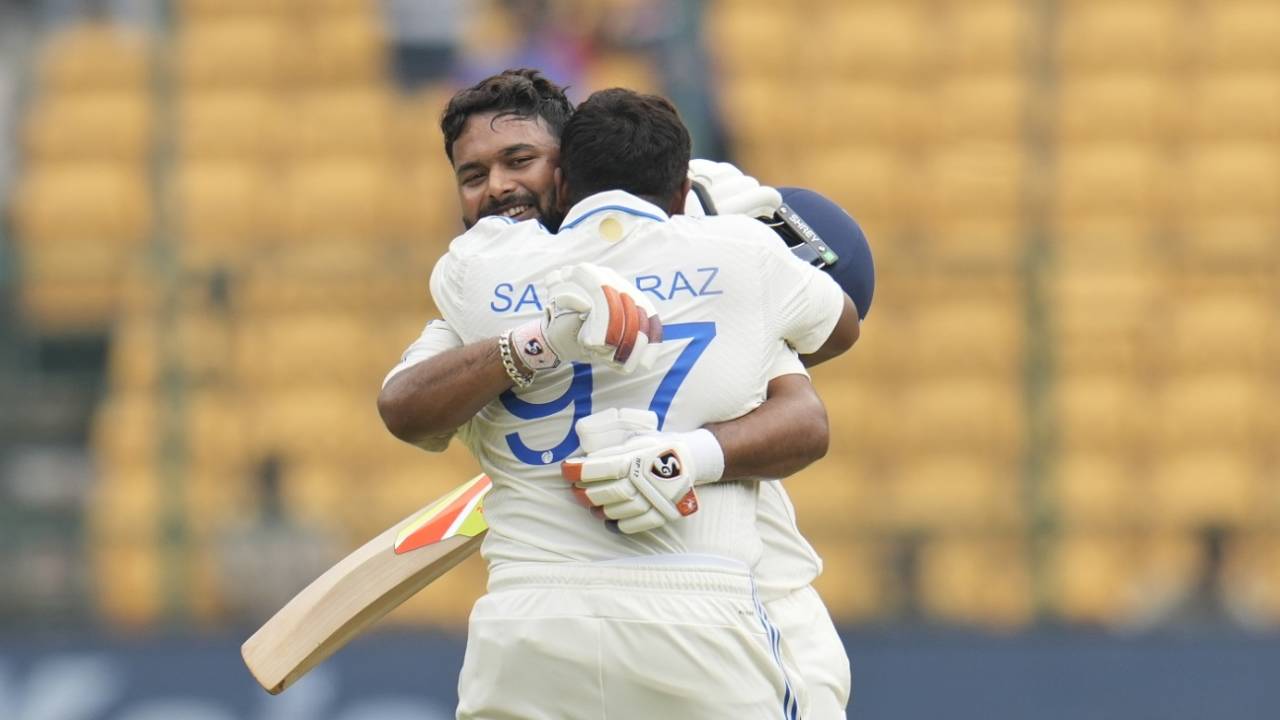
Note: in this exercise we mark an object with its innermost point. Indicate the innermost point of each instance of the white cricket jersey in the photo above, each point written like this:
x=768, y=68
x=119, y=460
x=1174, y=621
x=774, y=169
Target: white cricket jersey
x=731, y=298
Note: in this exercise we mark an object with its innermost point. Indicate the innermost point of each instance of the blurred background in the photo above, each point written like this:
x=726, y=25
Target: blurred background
x=1052, y=489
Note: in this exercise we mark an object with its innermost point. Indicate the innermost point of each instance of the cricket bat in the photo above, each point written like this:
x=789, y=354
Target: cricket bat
x=367, y=584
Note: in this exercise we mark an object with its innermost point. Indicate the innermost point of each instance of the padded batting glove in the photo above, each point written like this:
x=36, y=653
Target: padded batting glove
x=649, y=480
x=729, y=191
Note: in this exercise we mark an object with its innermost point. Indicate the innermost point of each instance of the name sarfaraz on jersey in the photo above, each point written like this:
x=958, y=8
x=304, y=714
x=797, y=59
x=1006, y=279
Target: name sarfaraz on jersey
x=699, y=282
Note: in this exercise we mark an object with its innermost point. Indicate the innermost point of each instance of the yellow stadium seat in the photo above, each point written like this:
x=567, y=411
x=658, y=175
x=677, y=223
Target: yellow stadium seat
x=982, y=108
x=95, y=57
x=302, y=349
x=939, y=413
x=126, y=430
x=845, y=112
x=871, y=183
x=1101, y=317
x=1230, y=411
x=1229, y=177
x=215, y=497
x=429, y=226
x=128, y=499
x=340, y=200
x=1222, y=332
x=879, y=40
x=1092, y=577
x=833, y=495
x=344, y=122
x=416, y=129
x=80, y=127
x=247, y=51
x=1093, y=490
x=749, y=40
x=1228, y=107
x=223, y=211
x=315, y=491
x=1199, y=487
x=985, y=37
x=1102, y=411
x=962, y=491
x=346, y=48
x=622, y=69
x=105, y=204
x=1239, y=35
x=1117, y=107
x=134, y=362
x=1111, y=36
x=972, y=203
x=980, y=336
x=217, y=438
x=1127, y=181
x=239, y=124
x=976, y=580
x=302, y=421
x=759, y=109
x=202, y=11
x=128, y=581
x=854, y=584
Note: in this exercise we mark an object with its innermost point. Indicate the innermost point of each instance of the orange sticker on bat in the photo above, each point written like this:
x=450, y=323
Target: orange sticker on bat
x=461, y=512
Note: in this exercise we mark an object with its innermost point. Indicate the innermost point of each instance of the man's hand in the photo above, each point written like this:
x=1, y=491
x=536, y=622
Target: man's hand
x=730, y=191
x=647, y=480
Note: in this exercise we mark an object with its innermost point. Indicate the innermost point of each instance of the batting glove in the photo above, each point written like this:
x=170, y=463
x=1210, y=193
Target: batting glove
x=593, y=315
x=648, y=480
x=730, y=191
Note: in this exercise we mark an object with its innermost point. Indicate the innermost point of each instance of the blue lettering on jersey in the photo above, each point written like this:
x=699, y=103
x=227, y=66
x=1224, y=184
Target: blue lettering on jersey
x=498, y=294
x=680, y=282
x=709, y=276
x=528, y=297
x=650, y=284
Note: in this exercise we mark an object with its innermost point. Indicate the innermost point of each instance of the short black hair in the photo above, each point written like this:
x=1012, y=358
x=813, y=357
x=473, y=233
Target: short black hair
x=619, y=139
x=521, y=92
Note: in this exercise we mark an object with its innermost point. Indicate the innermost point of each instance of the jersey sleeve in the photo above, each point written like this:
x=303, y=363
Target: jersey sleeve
x=786, y=362
x=805, y=302
x=436, y=338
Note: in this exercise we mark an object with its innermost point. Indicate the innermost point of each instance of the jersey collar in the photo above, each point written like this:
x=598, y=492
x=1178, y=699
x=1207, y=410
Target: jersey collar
x=629, y=209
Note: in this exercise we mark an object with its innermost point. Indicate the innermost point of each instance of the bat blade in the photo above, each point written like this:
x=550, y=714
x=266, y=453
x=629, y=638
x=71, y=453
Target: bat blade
x=365, y=585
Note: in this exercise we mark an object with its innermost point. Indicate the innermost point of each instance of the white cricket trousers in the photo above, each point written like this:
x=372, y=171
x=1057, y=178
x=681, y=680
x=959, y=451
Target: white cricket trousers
x=624, y=641
x=815, y=646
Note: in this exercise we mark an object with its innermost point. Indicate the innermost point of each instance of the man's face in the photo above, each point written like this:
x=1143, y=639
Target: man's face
x=505, y=165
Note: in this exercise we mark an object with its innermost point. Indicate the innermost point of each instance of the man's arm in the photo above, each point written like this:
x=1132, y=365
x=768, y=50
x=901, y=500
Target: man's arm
x=779, y=438
x=846, y=332
x=439, y=394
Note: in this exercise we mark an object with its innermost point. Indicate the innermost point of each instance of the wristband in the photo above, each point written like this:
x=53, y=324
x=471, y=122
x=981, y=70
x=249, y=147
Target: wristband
x=504, y=351
x=708, y=456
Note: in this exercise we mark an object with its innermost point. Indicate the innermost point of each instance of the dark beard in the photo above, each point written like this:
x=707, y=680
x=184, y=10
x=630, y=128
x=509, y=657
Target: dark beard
x=547, y=214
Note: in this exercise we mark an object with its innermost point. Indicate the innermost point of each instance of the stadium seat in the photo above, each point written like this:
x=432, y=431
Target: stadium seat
x=976, y=580
x=881, y=40
x=1228, y=411
x=95, y=57
x=1128, y=182
x=628, y=69
x=1218, y=332
x=1238, y=35
x=1141, y=107
x=1110, y=36
x=762, y=109
x=964, y=491
x=344, y=122
x=874, y=114
x=235, y=52
x=1092, y=577
x=855, y=584
x=939, y=412
x=304, y=349
x=972, y=200
x=968, y=336
x=223, y=211
x=338, y=200
x=341, y=49
x=1101, y=318
x=872, y=184
x=126, y=430
x=836, y=493
x=217, y=439
x=128, y=580
x=985, y=37
x=991, y=108
x=1228, y=107
x=238, y=124
x=1195, y=487
x=1237, y=176
x=316, y=491
x=90, y=127
x=84, y=203
x=1100, y=412
x=133, y=364
x=749, y=40
x=1096, y=490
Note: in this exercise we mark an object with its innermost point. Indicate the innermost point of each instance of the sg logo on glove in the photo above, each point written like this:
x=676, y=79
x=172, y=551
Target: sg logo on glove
x=667, y=465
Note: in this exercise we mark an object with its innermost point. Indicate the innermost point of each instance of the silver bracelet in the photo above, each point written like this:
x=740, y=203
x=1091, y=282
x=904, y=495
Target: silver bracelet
x=509, y=364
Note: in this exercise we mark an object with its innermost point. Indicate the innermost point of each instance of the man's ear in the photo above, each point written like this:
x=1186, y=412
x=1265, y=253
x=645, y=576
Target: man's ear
x=677, y=202
x=562, y=191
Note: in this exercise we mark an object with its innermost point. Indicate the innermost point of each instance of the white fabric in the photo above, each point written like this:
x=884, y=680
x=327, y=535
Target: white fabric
x=570, y=642
x=816, y=649
x=732, y=191
x=730, y=271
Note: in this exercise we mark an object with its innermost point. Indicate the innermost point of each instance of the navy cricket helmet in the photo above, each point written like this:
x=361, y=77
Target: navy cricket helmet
x=824, y=235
